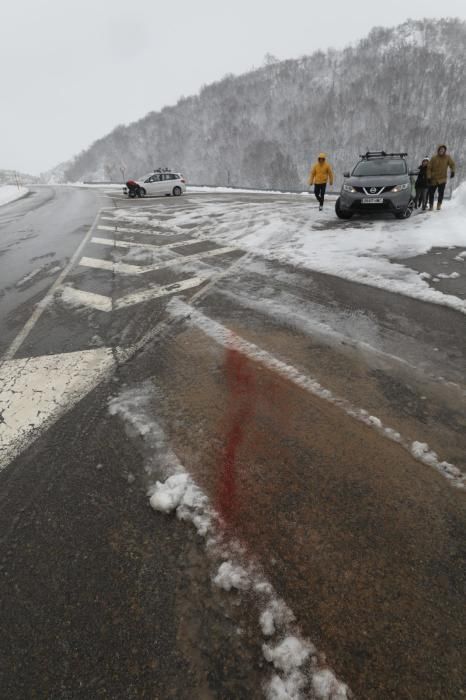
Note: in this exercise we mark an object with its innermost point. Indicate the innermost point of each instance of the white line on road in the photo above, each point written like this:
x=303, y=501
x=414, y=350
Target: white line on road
x=126, y=269
x=45, y=301
x=100, y=302
x=123, y=244
x=115, y=243
x=149, y=294
x=124, y=229
x=79, y=297
x=36, y=391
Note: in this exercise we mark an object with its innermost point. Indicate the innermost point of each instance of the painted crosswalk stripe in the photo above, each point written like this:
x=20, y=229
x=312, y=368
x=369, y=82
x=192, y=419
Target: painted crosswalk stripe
x=126, y=269
x=157, y=293
x=100, y=302
x=115, y=243
x=123, y=229
x=36, y=391
x=122, y=244
x=79, y=297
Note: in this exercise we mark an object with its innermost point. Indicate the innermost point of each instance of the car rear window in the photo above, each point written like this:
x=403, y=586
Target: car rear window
x=380, y=166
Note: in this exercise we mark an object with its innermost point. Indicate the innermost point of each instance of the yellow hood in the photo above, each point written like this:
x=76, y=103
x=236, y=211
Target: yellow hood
x=322, y=155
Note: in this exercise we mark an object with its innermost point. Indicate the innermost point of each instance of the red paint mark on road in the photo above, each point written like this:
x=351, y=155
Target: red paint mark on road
x=241, y=407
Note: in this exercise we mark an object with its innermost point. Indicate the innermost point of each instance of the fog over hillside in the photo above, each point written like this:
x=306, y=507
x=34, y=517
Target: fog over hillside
x=400, y=89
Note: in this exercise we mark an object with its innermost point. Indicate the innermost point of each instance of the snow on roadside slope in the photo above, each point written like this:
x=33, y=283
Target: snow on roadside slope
x=299, y=671
x=9, y=193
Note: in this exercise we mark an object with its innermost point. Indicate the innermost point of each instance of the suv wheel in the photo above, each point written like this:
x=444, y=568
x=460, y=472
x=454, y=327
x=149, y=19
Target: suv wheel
x=340, y=212
x=407, y=212
x=177, y=191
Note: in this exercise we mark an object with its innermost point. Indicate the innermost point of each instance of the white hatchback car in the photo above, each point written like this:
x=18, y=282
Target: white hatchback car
x=156, y=183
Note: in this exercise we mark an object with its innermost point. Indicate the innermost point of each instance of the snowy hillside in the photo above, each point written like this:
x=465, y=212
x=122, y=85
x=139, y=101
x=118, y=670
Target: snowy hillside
x=398, y=89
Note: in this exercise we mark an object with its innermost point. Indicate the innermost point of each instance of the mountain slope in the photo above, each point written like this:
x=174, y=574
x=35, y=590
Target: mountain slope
x=399, y=89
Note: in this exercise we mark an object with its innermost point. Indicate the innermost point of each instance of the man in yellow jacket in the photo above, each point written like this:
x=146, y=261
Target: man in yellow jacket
x=321, y=173
x=437, y=172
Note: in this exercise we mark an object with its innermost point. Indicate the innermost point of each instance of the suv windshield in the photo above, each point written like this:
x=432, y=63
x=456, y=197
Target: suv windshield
x=380, y=166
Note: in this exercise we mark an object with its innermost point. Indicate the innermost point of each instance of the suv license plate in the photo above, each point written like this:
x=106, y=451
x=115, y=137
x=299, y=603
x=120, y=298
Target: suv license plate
x=372, y=200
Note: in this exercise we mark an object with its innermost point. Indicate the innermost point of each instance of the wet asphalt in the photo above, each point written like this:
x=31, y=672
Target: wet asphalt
x=101, y=597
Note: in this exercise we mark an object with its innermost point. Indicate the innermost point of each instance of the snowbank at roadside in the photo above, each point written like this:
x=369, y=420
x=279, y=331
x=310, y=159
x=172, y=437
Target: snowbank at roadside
x=9, y=193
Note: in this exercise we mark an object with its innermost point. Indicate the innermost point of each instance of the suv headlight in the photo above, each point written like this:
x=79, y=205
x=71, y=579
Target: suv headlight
x=400, y=188
x=348, y=188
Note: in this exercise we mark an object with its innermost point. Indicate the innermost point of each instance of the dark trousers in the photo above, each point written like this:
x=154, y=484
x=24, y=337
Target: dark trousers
x=319, y=191
x=441, y=190
x=421, y=197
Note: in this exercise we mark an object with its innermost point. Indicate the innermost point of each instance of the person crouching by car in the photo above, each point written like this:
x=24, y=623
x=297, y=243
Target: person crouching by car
x=437, y=172
x=321, y=173
x=422, y=185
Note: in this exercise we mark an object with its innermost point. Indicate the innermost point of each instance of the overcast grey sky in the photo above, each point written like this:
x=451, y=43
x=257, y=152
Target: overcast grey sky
x=71, y=70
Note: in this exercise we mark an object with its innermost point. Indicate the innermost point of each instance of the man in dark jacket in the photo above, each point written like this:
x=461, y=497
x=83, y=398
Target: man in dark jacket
x=437, y=172
x=422, y=185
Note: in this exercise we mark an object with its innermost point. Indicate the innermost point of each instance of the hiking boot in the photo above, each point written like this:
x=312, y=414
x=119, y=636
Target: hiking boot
x=321, y=206
x=439, y=206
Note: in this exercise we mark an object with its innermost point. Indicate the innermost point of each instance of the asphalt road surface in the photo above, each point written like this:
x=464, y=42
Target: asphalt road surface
x=101, y=596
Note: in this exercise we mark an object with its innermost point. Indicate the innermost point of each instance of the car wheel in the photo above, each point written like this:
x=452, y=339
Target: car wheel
x=177, y=191
x=142, y=192
x=407, y=212
x=340, y=212
x=132, y=194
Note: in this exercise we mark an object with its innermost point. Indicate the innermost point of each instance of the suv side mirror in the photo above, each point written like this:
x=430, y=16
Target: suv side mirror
x=346, y=174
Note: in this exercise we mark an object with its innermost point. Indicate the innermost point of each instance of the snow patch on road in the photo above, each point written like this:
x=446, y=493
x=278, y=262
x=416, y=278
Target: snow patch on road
x=298, y=667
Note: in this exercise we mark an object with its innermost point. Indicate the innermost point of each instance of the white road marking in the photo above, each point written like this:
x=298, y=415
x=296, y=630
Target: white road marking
x=122, y=229
x=79, y=297
x=36, y=391
x=228, y=339
x=126, y=269
x=157, y=293
x=100, y=302
x=99, y=264
x=45, y=301
x=125, y=244
x=115, y=243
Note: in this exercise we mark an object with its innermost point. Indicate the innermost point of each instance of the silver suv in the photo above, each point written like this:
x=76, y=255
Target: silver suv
x=379, y=182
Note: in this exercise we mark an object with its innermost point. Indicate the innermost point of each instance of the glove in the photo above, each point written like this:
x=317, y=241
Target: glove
x=452, y=175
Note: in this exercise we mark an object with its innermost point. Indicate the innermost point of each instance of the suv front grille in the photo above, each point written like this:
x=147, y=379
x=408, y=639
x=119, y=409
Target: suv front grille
x=377, y=190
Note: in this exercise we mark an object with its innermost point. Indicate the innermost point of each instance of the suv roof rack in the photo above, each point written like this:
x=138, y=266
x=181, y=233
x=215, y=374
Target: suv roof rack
x=163, y=170
x=381, y=154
